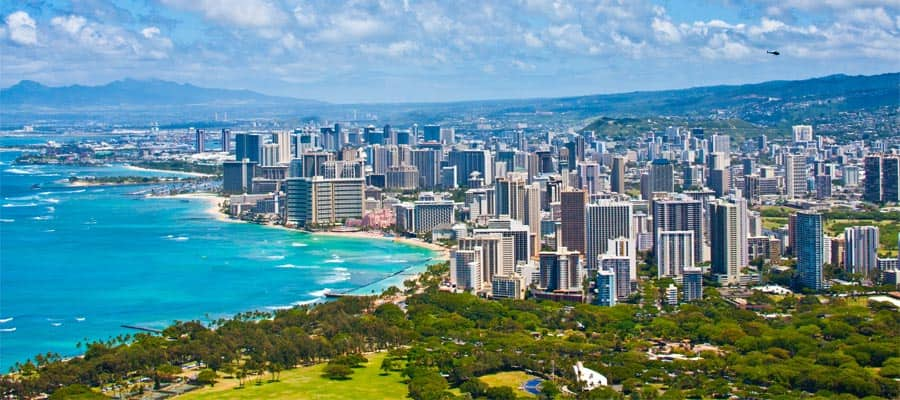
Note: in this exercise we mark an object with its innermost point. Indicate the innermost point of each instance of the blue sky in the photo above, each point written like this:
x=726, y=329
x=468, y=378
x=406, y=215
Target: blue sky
x=409, y=50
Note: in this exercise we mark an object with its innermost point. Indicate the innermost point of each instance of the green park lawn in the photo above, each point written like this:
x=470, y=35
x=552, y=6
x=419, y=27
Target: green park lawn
x=308, y=383
x=513, y=379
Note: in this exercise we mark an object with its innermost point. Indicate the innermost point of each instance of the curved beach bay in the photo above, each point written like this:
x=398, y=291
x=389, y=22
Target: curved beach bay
x=79, y=263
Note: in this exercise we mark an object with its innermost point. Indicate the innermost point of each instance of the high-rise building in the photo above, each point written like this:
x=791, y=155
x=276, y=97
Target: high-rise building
x=794, y=175
x=676, y=252
x=432, y=133
x=890, y=179
x=238, y=176
x=620, y=266
x=199, y=140
x=402, y=177
x=498, y=253
x=428, y=214
x=226, y=140
x=572, y=219
x=605, y=285
x=617, y=177
x=861, y=250
x=269, y=155
x=317, y=200
x=247, y=146
x=428, y=162
x=517, y=231
x=872, y=188
x=662, y=176
x=809, y=250
x=692, y=284
x=823, y=187
x=283, y=140
x=721, y=144
x=466, y=268
x=560, y=270
x=803, y=133
x=719, y=181
x=680, y=215
x=605, y=220
x=469, y=161
x=726, y=247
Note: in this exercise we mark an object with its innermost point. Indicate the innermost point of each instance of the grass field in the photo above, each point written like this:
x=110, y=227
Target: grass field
x=308, y=383
x=513, y=379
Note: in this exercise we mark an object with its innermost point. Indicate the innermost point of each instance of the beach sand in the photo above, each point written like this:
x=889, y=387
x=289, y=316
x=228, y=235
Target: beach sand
x=213, y=201
x=197, y=174
x=444, y=252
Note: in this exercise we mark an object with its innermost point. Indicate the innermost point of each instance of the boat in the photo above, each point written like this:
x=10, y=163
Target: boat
x=36, y=186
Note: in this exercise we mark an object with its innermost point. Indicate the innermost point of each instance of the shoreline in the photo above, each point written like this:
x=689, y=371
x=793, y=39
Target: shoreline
x=214, y=201
x=166, y=171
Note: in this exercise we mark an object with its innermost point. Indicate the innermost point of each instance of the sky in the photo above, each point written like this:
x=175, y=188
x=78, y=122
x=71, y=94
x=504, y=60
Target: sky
x=410, y=51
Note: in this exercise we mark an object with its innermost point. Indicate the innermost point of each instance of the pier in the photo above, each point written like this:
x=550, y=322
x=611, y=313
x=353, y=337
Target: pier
x=142, y=329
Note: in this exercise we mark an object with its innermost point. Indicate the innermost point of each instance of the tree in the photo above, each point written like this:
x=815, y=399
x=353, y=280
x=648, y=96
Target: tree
x=337, y=372
x=475, y=387
x=500, y=393
x=549, y=390
x=387, y=365
x=206, y=377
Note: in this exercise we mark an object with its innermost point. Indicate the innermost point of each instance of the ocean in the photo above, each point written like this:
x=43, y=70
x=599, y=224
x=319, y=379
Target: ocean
x=77, y=263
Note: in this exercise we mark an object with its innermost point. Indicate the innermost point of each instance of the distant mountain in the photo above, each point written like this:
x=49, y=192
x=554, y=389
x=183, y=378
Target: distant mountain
x=134, y=94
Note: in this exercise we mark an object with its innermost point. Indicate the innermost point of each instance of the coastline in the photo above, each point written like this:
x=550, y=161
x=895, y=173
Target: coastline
x=214, y=202
x=167, y=171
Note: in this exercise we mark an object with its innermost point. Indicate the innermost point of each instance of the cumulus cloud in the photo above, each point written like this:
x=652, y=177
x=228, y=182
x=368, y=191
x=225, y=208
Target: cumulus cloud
x=21, y=28
x=242, y=13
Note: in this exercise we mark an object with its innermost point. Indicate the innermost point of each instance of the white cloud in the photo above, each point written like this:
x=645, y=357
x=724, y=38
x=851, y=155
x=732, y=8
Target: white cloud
x=722, y=46
x=346, y=27
x=242, y=13
x=304, y=17
x=531, y=40
x=395, y=49
x=150, y=32
x=571, y=37
x=70, y=24
x=524, y=66
x=665, y=30
x=22, y=28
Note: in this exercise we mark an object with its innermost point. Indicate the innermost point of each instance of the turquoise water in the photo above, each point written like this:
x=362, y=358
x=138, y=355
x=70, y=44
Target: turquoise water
x=78, y=263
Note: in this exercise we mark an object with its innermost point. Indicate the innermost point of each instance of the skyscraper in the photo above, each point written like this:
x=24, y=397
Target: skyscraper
x=809, y=250
x=617, y=177
x=802, y=133
x=237, y=176
x=560, y=270
x=606, y=288
x=199, y=140
x=725, y=226
x=676, y=252
x=572, y=219
x=604, y=221
x=468, y=161
x=620, y=267
x=692, y=284
x=794, y=175
x=226, y=140
x=890, y=179
x=680, y=215
x=246, y=146
x=432, y=133
x=872, y=189
x=662, y=176
x=465, y=268
x=317, y=200
x=861, y=250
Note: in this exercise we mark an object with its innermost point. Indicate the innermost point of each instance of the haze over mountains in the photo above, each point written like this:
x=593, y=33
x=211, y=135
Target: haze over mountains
x=138, y=100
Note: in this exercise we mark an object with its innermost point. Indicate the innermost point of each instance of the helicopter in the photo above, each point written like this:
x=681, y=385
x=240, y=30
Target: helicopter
x=773, y=52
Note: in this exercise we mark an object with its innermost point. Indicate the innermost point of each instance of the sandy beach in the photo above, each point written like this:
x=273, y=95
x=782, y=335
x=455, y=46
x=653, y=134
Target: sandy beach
x=445, y=252
x=166, y=171
x=213, y=201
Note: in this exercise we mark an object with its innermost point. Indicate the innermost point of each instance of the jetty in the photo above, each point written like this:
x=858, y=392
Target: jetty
x=143, y=329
